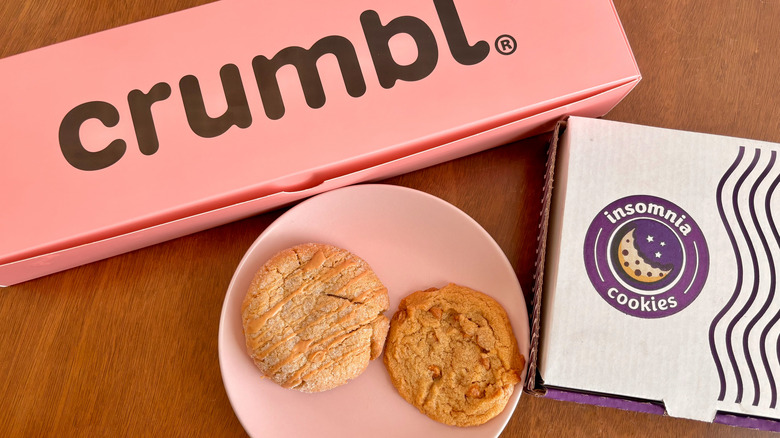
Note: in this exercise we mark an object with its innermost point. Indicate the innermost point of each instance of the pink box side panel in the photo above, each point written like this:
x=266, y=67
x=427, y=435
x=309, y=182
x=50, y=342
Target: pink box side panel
x=23, y=270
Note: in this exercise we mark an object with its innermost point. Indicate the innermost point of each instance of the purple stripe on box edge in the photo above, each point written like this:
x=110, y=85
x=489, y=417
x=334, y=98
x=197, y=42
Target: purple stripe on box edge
x=658, y=409
x=609, y=402
x=747, y=422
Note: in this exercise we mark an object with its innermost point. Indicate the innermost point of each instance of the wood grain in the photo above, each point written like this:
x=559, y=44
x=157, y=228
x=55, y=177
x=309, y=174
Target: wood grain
x=128, y=346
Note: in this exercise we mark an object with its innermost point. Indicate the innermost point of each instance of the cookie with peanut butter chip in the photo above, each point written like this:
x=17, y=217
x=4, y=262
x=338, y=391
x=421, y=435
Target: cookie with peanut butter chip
x=312, y=317
x=451, y=353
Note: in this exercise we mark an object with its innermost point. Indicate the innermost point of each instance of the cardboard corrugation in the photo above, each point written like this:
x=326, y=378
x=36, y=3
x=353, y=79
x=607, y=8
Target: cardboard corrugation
x=533, y=383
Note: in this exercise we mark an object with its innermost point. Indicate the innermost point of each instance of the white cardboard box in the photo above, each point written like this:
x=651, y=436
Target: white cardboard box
x=662, y=272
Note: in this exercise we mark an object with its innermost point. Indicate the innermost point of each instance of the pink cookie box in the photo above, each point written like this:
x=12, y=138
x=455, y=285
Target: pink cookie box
x=165, y=127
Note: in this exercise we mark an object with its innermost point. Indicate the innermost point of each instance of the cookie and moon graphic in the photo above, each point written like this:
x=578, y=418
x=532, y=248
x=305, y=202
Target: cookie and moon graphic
x=646, y=254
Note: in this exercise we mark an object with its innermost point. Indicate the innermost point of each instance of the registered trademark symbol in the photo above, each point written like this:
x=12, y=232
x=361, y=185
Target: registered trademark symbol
x=506, y=45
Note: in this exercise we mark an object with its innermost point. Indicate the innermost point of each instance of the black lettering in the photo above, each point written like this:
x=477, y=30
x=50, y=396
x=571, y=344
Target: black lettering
x=378, y=38
x=506, y=46
x=456, y=36
x=305, y=62
x=237, y=112
x=141, y=111
x=70, y=140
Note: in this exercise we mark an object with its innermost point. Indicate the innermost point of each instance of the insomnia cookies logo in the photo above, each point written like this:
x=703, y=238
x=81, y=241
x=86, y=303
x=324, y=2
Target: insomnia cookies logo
x=646, y=256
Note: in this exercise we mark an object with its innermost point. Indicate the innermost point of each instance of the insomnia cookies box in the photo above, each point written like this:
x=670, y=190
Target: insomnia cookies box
x=662, y=271
x=164, y=127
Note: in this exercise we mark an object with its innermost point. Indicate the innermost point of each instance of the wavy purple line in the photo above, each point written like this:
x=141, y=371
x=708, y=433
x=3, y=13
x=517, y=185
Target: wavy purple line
x=752, y=251
x=738, y=286
x=776, y=318
x=757, y=281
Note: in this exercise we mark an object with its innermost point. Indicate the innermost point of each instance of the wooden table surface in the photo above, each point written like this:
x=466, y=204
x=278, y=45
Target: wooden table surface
x=128, y=345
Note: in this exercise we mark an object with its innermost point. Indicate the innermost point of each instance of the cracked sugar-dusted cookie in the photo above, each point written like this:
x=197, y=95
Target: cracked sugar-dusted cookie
x=452, y=354
x=312, y=317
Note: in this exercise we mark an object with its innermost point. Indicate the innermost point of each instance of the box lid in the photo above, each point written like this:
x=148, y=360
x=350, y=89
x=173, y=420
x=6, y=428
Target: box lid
x=133, y=126
x=692, y=322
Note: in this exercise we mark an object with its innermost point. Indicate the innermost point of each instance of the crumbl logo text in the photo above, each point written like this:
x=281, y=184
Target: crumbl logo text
x=646, y=256
x=377, y=33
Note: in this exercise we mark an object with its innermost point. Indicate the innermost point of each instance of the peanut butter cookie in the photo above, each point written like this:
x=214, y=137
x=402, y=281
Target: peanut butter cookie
x=312, y=317
x=452, y=354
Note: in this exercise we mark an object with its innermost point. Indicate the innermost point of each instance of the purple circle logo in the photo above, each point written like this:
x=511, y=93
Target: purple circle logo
x=646, y=256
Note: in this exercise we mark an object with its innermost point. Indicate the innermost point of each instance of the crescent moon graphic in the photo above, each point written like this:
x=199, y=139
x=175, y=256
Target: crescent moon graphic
x=634, y=263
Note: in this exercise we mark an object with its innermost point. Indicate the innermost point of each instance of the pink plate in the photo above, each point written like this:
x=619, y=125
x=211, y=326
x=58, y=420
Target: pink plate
x=413, y=241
